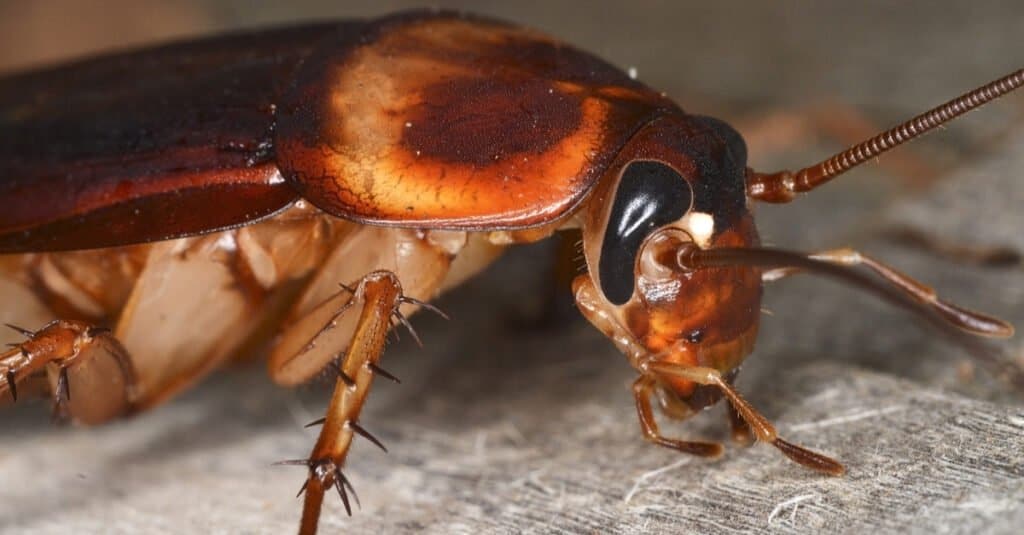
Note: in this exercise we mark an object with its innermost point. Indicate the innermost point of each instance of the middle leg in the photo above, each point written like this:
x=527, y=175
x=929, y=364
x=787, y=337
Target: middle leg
x=354, y=320
x=380, y=294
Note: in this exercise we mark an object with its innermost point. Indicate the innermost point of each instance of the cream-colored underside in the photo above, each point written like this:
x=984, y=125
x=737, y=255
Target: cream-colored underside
x=185, y=307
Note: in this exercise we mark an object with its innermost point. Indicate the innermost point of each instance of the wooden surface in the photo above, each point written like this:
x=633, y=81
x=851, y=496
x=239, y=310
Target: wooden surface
x=501, y=427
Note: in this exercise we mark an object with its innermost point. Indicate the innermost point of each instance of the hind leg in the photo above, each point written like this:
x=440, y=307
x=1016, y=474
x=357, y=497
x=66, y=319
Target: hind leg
x=73, y=350
x=179, y=309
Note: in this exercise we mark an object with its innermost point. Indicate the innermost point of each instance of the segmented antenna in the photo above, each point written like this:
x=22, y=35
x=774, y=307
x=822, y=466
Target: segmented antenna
x=782, y=186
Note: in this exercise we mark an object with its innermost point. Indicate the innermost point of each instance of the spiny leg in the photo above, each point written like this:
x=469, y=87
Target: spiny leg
x=68, y=346
x=381, y=295
x=642, y=389
x=759, y=425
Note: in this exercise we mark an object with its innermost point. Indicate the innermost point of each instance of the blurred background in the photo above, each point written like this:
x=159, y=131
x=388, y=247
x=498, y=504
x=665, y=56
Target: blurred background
x=502, y=427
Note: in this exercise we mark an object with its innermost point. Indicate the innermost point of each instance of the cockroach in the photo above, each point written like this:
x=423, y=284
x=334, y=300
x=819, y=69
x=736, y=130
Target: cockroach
x=306, y=189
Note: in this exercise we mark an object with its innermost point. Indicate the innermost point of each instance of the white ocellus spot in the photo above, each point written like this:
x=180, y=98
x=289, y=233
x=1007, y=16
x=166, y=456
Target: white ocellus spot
x=700, y=226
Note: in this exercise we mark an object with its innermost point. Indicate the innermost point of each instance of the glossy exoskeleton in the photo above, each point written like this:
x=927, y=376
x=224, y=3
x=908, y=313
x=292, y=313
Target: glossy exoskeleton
x=308, y=188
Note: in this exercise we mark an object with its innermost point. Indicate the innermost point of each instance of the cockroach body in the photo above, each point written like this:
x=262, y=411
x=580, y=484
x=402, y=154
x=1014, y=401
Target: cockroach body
x=308, y=188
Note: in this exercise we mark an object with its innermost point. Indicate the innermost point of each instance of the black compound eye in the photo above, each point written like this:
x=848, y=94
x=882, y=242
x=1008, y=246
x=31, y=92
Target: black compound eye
x=650, y=195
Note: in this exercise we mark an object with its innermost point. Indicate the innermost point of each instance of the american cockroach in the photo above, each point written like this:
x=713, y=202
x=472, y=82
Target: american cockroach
x=308, y=188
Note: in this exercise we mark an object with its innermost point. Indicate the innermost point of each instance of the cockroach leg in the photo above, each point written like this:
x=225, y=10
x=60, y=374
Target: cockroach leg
x=380, y=294
x=675, y=408
x=384, y=373
x=314, y=423
x=642, y=389
x=361, y=431
x=62, y=346
x=335, y=364
x=761, y=428
x=21, y=330
x=406, y=300
x=741, y=433
x=408, y=326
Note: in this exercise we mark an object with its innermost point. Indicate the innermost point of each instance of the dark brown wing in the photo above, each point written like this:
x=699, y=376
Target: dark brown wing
x=441, y=121
x=146, y=145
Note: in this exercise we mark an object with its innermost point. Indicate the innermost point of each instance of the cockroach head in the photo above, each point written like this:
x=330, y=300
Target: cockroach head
x=678, y=183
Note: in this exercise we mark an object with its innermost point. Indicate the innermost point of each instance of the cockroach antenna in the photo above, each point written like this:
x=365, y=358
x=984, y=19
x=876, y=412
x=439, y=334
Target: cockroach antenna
x=782, y=186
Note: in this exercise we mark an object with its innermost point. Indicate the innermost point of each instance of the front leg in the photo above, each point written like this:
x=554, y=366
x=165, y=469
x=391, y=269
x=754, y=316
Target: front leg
x=675, y=408
x=757, y=424
x=642, y=389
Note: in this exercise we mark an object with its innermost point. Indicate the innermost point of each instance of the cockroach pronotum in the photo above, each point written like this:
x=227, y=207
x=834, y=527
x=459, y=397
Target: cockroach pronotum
x=309, y=188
